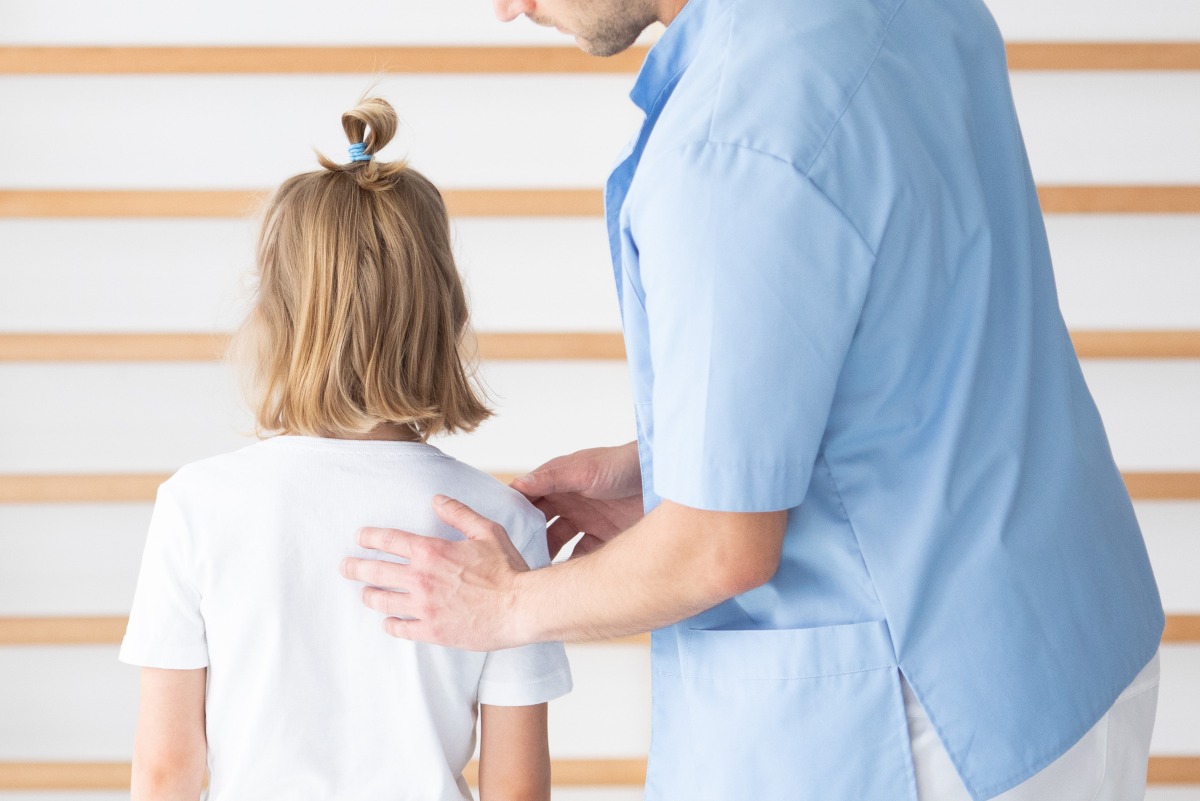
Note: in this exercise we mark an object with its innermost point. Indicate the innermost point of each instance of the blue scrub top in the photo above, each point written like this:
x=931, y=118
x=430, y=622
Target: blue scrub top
x=837, y=299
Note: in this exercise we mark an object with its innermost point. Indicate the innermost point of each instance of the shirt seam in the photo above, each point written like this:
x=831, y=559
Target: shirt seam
x=657, y=160
x=887, y=26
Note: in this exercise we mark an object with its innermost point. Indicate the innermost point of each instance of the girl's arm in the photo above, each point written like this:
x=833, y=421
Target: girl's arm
x=514, y=754
x=170, y=752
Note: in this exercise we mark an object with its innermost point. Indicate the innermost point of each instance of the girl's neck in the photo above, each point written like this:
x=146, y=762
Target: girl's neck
x=396, y=432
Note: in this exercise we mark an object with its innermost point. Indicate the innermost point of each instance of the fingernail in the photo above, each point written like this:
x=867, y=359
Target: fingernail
x=344, y=567
x=525, y=479
x=440, y=499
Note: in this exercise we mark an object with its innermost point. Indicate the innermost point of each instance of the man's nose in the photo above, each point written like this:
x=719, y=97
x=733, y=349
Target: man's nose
x=508, y=10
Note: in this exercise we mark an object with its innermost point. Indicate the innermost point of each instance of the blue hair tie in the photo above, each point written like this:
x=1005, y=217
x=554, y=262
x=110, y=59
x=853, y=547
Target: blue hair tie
x=358, y=152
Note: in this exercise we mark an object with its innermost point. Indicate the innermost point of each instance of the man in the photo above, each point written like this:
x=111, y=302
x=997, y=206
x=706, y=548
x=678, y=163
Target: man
x=886, y=553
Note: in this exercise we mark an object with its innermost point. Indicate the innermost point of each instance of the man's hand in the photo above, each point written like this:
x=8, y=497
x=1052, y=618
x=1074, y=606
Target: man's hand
x=460, y=594
x=597, y=491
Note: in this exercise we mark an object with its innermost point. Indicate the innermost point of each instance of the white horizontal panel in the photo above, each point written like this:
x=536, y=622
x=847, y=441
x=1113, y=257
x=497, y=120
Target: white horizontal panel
x=82, y=559
x=538, y=275
x=472, y=21
x=267, y=22
x=607, y=715
x=196, y=275
x=1105, y=127
x=1175, y=729
x=597, y=794
x=1161, y=793
x=126, y=417
x=147, y=417
x=74, y=703
x=1172, y=532
x=70, y=559
x=1149, y=411
x=539, y=131
x=255, y=131
x=117, y=417
x=78, y=703
x=124, y=275
x=1087, y=20
x=1130, y=271
x=1113, y=271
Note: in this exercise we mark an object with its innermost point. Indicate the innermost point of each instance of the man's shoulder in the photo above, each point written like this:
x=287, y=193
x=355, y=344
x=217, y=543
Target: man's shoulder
x=773, y=77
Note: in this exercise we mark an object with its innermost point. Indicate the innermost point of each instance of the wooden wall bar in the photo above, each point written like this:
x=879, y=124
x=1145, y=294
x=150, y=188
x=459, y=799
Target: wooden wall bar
x=1163, y=770
x=140, y=487
x=220, y=203
x=109, y=629
x=1054, y=56
x=507, y=346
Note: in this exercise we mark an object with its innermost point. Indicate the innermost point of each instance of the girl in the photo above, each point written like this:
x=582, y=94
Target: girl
x=258, y=661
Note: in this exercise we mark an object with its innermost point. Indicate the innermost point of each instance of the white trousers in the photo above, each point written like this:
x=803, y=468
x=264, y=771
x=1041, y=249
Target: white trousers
x=1108, y=764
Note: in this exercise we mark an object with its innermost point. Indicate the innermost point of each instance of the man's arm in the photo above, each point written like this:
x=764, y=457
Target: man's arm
x=477, y=594
x=170, y=751
x=514, y=753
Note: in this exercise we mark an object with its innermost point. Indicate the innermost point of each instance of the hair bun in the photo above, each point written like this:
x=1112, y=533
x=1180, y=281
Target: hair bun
x=373, y=122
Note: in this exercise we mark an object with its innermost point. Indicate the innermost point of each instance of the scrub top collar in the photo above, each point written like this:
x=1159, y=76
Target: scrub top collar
x=672, y=53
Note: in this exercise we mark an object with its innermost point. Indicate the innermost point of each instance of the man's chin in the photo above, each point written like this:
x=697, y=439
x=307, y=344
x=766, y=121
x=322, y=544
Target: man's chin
x=601, y=49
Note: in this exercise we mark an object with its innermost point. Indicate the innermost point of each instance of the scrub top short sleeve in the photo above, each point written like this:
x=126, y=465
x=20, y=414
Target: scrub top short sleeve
x=753, y=282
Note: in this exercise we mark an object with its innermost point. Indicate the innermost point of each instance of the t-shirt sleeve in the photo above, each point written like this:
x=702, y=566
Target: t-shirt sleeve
x=166, y=629
x=529, y=674
x=753, y=283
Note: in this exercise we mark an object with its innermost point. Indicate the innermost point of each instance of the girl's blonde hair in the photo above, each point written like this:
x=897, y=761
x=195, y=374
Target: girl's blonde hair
x=359, y=316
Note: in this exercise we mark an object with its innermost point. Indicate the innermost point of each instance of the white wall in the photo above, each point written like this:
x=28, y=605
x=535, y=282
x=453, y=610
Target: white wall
x=74, y=703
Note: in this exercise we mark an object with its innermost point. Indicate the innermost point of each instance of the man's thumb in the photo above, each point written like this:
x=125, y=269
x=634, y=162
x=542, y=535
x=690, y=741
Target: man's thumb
x=473, y=525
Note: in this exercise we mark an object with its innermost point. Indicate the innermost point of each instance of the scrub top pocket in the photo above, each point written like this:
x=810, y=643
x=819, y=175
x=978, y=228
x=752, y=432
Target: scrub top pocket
x=812, y=714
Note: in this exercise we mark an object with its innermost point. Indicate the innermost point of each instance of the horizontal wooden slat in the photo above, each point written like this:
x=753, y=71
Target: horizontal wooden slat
x=310, y=60
x=515, y=60
x=1137, y=344
x=64, y=775
x=208, y=203
x=116, y=775
x=80, y=488
x=140, y=487
x=1174, y=770
x=91, y=630
x=94, y=630
x=560, y=345
x=1120, y=199
x=108, y=630
x=1104, y=55
x=1182, y=629
x=221, y=203
x=572, y=345
x=1163, y=770
x=1172, y=486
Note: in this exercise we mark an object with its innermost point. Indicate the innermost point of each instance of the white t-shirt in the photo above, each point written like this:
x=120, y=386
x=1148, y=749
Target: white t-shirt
x=308, y=697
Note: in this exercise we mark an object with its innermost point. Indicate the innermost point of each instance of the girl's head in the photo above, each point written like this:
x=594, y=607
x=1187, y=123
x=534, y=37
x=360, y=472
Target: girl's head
x=359, y=316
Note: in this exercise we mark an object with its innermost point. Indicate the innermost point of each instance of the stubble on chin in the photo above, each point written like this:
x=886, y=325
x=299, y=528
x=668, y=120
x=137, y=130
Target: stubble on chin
x=612, y=33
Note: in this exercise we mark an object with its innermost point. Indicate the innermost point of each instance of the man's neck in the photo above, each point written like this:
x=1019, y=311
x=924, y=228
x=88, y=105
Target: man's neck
x=668, y=10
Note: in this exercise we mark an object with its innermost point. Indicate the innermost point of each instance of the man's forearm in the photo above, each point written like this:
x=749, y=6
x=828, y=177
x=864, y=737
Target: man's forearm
x=671, y=565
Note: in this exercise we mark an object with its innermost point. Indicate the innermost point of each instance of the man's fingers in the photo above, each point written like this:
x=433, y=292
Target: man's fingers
x=552, y=477
x=389, y=540
x=404, y=629
x=587, y=544
x=396, y=604
x=558, y=534
x=373, y=571
x=473, y=525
